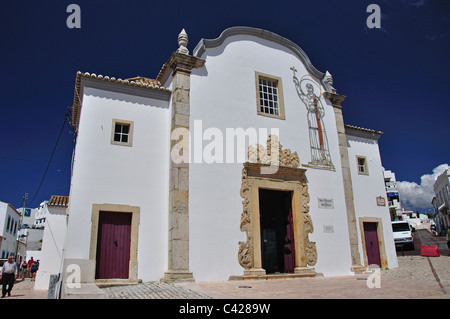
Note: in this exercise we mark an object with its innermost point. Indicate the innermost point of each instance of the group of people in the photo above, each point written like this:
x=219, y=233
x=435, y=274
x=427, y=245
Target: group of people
x=28, y=268
x=11, y=271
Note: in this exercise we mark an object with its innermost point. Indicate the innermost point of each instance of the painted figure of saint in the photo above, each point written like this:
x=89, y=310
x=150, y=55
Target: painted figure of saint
x=320, y=153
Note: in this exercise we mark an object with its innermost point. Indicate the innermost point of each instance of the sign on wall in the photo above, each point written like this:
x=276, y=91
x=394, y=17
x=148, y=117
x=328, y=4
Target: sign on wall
x=381, y=201
x=328, y=229
x=326, y=203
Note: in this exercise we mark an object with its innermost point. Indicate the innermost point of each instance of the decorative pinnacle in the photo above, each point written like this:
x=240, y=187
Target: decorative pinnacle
x=329, y=79
x=182, y=42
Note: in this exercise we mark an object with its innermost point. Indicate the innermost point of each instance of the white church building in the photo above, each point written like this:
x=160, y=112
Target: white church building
x=234, y=163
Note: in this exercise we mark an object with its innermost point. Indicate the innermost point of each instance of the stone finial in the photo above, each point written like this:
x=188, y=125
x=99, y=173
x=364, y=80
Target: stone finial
x=329, y=79
x=182, y=42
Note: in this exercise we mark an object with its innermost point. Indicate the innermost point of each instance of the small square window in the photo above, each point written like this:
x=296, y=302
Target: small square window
x=122, y=132
x=269, y=96
x=361, y=162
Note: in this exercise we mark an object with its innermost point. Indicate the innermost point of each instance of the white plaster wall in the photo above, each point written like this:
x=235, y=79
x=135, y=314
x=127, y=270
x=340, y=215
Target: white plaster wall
x=135, y=176
x=3, y=217
x=366, y=188
x=52, y=246
x=223, y=95
x=9, y=242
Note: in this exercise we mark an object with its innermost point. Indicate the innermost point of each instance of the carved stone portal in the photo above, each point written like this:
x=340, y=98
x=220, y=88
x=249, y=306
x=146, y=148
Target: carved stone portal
x=286, y=177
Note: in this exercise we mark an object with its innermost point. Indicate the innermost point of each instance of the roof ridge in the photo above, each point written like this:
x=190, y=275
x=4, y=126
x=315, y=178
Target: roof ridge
x=135, y=81
x=363, y=129
x=58, y=201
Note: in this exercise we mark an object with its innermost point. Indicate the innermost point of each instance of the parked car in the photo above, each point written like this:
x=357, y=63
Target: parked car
x=403, y=233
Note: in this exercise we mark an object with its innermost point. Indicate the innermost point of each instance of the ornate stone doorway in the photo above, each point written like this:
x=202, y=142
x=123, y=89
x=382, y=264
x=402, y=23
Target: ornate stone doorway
x=284, y=176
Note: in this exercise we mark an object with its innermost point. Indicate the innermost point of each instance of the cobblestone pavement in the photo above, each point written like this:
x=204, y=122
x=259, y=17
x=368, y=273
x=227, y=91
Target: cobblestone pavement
x=152, y=290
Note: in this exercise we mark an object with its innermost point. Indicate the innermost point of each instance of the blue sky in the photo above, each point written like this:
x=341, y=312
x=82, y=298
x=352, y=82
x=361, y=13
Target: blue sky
x=396, y=78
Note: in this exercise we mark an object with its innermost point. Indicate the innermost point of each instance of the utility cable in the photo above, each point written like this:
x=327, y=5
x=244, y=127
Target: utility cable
x=51, y=157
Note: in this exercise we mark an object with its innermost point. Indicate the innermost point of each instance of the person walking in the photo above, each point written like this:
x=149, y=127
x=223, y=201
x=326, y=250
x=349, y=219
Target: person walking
x=33, y=270
x=9, y=275
x=29, y=264
x=23, y=268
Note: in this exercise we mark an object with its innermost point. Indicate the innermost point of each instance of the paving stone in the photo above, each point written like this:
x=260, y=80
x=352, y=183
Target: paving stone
x=153, y=290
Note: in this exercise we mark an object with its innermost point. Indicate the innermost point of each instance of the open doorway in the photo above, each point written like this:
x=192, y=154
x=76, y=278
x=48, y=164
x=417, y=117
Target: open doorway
x=277, y=233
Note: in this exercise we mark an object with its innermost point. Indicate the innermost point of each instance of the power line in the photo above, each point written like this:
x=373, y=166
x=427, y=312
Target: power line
x=51, y=157
x=23, y=159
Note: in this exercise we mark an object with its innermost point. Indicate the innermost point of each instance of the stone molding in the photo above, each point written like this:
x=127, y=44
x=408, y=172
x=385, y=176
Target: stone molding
x=273, y=154
x=380, y=235
x=288, y=177
x=134, y=239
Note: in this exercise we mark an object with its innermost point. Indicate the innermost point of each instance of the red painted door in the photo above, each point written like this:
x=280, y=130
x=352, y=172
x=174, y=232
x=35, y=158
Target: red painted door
x=113, y=245
x=372, y=247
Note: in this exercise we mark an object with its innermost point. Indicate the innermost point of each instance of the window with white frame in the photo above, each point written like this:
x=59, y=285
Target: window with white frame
x=122, y=132
x=269, y=95
x=361, y=162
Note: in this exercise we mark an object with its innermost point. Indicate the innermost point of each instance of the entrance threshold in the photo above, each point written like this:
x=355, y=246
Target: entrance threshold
x=103, y=283
x=276, y=276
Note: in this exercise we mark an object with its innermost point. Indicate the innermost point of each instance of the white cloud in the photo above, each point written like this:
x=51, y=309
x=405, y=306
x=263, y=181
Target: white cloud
x=414, y=196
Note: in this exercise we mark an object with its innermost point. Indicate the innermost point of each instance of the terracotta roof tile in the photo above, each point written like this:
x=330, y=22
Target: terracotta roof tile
x=138, y=81
x=58, y=201
x=362, y=129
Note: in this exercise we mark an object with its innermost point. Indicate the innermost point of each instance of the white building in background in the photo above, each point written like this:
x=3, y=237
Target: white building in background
x=41, y=215
x=441, y=201
x=234, y=163
x=30, y=234
x=53, y=241
x=395, y=207
x=9, y=226
x=29, y=216
x=32, y=231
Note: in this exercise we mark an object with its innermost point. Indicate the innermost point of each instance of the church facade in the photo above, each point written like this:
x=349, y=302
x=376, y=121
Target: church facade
x=233, y=163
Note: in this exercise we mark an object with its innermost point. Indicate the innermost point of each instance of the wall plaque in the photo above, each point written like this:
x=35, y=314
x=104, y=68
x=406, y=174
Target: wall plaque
x=328, y=229
x=326, y=203
x=381, y=201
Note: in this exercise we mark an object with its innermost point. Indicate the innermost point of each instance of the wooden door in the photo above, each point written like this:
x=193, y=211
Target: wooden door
x=289, y=245
x=113, y=245
x=372, y=247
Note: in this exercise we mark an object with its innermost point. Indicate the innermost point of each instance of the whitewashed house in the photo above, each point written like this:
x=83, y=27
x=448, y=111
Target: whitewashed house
x=234, y=162
x=441, y=188
x=41, y=215
x=393, y=197
x=53, y=238
x=29, y=217
x=9, y=226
